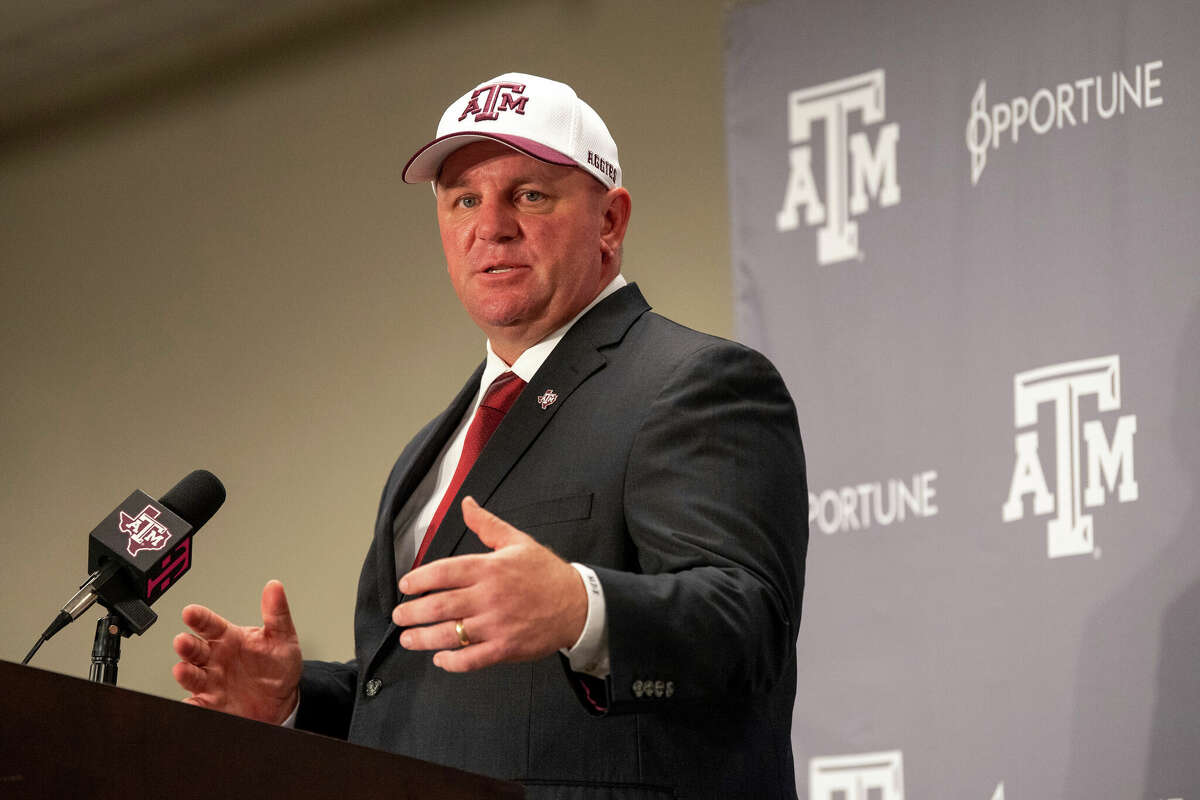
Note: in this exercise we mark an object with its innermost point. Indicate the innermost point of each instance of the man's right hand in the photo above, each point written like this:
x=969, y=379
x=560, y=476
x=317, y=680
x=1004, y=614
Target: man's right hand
x=249, y=671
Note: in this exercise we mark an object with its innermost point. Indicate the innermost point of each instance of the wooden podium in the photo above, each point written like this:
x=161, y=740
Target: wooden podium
x=63, y=737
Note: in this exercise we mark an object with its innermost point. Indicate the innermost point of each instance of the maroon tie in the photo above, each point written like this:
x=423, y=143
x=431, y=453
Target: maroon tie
x=495, y=404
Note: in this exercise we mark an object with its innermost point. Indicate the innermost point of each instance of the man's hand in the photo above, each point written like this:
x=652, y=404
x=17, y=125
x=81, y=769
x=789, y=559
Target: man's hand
x=251, y=672
x=518, y=603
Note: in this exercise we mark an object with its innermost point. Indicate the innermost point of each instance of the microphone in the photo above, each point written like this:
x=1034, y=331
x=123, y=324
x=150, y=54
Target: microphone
x=139, y=551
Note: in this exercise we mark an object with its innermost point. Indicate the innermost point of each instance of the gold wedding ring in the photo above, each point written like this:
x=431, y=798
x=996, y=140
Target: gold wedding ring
x=463, y=639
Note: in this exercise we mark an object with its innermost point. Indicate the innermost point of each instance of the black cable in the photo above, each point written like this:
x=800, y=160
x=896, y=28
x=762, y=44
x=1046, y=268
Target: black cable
x=36, y=645
x=61, y=621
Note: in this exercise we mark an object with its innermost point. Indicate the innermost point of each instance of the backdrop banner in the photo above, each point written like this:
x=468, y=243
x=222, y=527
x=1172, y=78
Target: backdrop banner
x=967, y=234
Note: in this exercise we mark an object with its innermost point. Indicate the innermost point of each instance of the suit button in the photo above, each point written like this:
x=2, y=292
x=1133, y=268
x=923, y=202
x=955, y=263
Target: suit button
x=372, y=687
x=670, y=688
x=659, y=686
x=637, y=688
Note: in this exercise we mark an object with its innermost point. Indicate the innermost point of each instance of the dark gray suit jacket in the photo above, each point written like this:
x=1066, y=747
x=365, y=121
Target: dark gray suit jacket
x=671, y=464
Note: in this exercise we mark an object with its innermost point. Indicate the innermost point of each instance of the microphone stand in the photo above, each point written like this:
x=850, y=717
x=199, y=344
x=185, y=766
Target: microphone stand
x=106, y=648
x=127, y=615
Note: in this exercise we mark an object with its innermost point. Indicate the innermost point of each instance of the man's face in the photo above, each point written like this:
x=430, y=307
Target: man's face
x=528, y=244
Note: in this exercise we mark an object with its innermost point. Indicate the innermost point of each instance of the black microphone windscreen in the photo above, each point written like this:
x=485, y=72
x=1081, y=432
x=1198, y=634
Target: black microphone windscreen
x=195, y=498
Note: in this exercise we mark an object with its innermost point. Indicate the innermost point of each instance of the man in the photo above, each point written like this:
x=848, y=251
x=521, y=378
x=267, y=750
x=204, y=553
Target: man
x=645, y=515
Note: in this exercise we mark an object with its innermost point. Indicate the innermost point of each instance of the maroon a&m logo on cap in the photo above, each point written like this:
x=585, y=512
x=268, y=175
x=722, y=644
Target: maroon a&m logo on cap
x=500, y=97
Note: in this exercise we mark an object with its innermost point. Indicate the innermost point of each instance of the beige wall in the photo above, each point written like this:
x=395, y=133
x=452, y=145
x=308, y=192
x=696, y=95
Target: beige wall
x=233, y=277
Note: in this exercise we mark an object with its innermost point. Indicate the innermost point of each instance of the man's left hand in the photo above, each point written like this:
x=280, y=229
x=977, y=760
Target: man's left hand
x=520, y=602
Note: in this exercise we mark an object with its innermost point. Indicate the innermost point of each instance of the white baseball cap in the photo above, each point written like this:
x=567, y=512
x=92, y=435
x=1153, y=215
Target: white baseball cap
x=541, y=118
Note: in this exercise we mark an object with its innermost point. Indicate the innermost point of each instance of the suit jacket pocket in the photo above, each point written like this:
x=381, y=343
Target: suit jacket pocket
x=563, y=508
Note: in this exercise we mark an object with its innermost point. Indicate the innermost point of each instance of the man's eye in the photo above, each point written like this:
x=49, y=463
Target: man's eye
x=468, y=201
x=532, y=196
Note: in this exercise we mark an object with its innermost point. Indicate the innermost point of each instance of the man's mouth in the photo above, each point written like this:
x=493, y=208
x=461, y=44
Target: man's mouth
x=497, y=270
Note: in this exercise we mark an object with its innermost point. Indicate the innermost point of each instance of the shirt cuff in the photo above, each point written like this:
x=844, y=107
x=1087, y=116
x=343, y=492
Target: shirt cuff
x=589, y=654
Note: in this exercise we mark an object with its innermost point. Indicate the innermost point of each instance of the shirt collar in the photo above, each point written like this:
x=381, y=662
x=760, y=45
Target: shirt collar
x=530, y=361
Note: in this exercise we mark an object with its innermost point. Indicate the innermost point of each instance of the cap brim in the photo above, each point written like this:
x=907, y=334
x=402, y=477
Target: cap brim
x=426, y=163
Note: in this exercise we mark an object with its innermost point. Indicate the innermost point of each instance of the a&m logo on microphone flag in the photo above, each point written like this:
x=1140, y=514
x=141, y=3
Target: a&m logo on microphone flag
x=145, y=531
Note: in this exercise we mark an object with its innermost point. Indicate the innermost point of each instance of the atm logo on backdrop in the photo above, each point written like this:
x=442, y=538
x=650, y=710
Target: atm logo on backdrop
x=862, y=776
x=855, y=170
x=1108, y=459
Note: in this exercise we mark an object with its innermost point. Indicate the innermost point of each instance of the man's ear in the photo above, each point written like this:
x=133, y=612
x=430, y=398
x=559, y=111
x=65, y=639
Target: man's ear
x=616, y=207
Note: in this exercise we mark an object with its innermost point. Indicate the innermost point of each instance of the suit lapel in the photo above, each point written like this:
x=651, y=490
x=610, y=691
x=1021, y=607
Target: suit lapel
x=405, y=477
x=577, y=357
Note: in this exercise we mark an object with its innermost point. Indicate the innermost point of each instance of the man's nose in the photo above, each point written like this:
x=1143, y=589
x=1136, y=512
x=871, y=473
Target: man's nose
x=496, y=222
